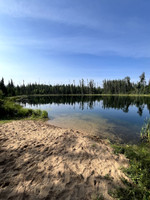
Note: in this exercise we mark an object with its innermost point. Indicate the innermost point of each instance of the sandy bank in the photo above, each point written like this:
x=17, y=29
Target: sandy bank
x=41, y=161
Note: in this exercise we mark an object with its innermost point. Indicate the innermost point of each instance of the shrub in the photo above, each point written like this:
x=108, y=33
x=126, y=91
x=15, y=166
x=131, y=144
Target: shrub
x=44, y=114
x=11, y=110
x=36, y=113
x=145, y=132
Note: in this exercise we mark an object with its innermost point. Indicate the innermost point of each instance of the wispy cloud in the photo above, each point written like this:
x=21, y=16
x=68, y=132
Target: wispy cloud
x=88, y=14
x=64, y=13
x=113, y=33
x=77, y=45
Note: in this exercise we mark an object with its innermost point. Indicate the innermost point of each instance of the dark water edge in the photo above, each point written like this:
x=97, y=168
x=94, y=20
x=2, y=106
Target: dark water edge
x=118, y=118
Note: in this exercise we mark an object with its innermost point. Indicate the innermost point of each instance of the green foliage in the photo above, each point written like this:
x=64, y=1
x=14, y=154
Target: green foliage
x=108, y=177
x=44, y=114
x=39, y=114
x=11, y=110
x=145, y=132
x=36, y=113
x=138, y=171
x=1, y=94
x=3, y=87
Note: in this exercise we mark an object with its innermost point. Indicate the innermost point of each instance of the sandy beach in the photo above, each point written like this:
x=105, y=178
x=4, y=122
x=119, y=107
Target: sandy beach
x=39, y=161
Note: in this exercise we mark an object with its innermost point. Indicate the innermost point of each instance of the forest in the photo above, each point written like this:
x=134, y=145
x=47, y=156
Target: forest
x=118, y=86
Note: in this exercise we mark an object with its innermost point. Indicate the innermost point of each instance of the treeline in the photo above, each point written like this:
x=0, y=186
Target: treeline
x=123, y=86
x=30, y=89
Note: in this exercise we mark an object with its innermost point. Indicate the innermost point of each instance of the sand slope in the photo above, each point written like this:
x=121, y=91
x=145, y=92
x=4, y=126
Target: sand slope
x=40, y=161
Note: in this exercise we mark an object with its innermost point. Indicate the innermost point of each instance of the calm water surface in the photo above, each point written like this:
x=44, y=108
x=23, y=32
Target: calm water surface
x=117, y=118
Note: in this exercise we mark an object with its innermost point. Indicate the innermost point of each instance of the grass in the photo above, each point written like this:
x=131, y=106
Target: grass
x=139, y=169
x=97, y=197
x=94, y=145
x=10, y=110
x=138, y=172
x=42, y=95
x=145, y=132
x=5, y=121
x=108, y=177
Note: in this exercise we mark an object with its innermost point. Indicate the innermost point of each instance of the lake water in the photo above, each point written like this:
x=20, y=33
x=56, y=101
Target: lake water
x=116, y=118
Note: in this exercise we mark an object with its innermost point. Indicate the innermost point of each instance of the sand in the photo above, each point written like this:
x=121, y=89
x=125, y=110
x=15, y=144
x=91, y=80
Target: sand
x=41, y=161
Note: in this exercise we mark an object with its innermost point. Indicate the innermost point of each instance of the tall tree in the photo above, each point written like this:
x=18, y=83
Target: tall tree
x=142, y=83
x=142, y=79
x=3, y=87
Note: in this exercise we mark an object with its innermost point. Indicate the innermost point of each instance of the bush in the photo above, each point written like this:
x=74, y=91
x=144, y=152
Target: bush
x=11, y=110
x=24, y=112
x=36, y=113
x=44, y=114
x=39, y=114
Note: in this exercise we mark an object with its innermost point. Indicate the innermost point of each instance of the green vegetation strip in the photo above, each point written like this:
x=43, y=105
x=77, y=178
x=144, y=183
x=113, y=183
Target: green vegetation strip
x=78, y=95
x=138, y=172
x=10, y=110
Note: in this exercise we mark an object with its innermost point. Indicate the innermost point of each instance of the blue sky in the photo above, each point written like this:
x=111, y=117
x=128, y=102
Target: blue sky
x=58, y=41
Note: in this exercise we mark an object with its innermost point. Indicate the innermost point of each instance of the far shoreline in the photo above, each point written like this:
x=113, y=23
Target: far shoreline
x=79, y=95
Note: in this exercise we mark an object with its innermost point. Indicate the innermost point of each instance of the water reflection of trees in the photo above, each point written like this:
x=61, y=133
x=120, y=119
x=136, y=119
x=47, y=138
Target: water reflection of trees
x=89, y=102
x=124, y=103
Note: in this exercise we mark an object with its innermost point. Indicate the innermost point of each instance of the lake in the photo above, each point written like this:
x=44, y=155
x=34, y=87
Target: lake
x=117, y=118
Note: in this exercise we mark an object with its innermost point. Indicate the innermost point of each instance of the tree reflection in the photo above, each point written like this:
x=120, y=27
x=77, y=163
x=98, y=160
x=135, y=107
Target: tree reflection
x=89, y=102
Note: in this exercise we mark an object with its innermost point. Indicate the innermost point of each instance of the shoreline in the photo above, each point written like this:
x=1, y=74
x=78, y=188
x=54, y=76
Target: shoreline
x=77, y=95
x=42, y=161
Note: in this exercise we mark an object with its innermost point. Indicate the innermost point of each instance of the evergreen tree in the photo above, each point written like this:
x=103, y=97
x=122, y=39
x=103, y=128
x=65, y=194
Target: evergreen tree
x=3, y=87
